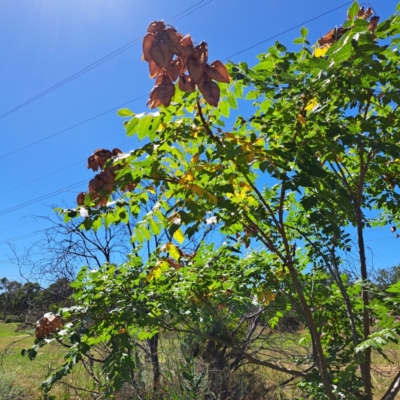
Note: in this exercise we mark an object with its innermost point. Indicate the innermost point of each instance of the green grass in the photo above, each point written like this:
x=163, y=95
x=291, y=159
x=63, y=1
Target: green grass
x=30, y=374
x=23, y=375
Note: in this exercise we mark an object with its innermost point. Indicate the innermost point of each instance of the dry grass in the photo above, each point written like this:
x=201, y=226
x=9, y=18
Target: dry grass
x=29, y=374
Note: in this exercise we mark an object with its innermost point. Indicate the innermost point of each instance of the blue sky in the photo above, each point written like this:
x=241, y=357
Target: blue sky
x=45, y=42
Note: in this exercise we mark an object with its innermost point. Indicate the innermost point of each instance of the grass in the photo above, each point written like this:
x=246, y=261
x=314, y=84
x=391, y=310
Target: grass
x=20, y=375
x=29, y=374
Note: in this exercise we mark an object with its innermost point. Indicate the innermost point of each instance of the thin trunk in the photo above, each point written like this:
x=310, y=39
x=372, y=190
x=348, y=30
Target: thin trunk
x=314, y=332
x=153, y=344
x=364, y=295
x=393, y=389
x=349, y=309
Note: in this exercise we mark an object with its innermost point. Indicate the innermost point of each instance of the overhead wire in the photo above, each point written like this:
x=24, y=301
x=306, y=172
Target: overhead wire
x=55, y=172
x=145, y=95
x=46, y=196
x=95, y=64
x=287, y=30
x=121, y=105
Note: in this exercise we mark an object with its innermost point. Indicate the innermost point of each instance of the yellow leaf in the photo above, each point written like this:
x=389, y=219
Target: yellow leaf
x=195, y=159
x=121, y=331
x=162, y=265
x=311, y=104
x=173, y=251
x=211, y=198
x=301, y=119
x=157, y=273
x=188, y=177
x=151, y=189
x=320, y=51
x=178, y=236
x=251, y=156
x=202, y=193
x=266, y=296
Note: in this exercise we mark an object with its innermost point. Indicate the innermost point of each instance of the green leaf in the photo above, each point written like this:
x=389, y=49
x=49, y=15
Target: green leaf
x=125, y=112
x=342, y=54
x=224, y=108
x=298, y=41
x=154, y=227
x=87, y=224
x=108, y=219
x=131, y=126
x=97, y=224
x=148, y=125
x=304, y=32
x=232, y=101
x=353, y=10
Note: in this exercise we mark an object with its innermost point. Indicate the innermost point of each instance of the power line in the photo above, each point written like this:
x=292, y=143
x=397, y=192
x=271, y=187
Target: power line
x=25, y=236
x=55, y=172
x=145, y=95
x=71, y=127
x=287, y=30
x=95, y=64
x=37, y=199
x=97, y=116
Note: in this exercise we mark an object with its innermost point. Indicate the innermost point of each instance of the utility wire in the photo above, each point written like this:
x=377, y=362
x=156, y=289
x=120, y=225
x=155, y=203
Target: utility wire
x=287, y=30
x=37, y=199
x=95, y=64
x=25, y=236
x=55, y=172
x=114, y=108
x=145, y=95
x=71, y=127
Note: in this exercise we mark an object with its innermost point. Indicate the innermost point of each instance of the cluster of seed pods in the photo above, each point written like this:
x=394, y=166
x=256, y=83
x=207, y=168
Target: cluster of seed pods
x=102, y=185
x=47, y=325
x=172, y=56
x=336, y=33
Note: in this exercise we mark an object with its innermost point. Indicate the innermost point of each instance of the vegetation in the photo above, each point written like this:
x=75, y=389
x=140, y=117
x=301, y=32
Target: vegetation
x=238, y=228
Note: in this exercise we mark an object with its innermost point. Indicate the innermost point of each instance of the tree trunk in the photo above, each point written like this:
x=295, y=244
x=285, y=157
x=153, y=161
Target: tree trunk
x=153, y=345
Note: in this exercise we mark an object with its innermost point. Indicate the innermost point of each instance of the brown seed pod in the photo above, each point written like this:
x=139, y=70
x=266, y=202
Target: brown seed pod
x=373, y=23
x=148, y=41
x=174, y=69
x=154, y=69
x=116, y=152
x=103, y=201
x=368, y=13
x=47, y=325
x=162, y=93
x=156, y=26
x=187, y=46
x=98, y=159
x=107, y=176
x=218, y=72
x=161, y=52
x=80, y=200
x=96, y=184
x=196, y=69
x=201, y=52
x=174, y=40
x=130, y=187
x=186, y=83
x=332, y=36
x=93, y=163
x=210, y=91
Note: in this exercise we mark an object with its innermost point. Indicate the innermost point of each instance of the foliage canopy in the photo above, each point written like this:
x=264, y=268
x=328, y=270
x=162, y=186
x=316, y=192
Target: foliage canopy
x=318, y=155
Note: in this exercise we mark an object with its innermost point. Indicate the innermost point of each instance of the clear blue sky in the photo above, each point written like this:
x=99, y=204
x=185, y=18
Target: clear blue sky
x=45, y=42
